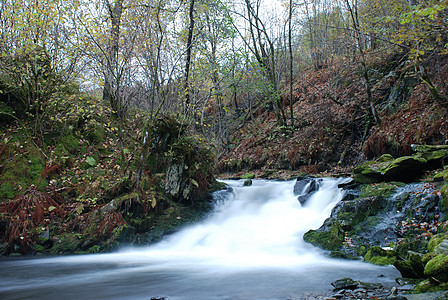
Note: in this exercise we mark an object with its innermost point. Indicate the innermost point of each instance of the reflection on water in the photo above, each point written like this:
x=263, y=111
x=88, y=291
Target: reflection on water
x=250, y=248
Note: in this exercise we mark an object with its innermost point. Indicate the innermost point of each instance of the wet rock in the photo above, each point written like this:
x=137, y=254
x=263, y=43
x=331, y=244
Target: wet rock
x=370, y=286
x=404, y=169
x=305, y=188
x=247, y=182
x=345, y=284
x=377, y=255
x=412, y=268
x=437, y=268
x=435, y=155
x=442, y=248
x=349, y=184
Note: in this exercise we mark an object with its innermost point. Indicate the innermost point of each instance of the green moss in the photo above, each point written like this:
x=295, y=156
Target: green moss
x=39, y=248
x=378, y=256
x=369, y=222
x=427, y=257
x=22, y=171
x=385, y=158
x=7, y=191
x=70, y=143
x=247, y=182
x=357, y=211
x=94, y=249
x=331, y=240
x=443, y=175
x=444, y=200
x=438, y=268
x=66, y=243
x=383, y=190
x=426, y=286
x=6, y=113
x=217, y=186
x=248, y=176
x=436, y=240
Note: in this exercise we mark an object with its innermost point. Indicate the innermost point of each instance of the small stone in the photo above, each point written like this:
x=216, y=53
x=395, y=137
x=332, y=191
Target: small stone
x=345, y=283
x=247, y=182
x=360, y=290
x=393, y=291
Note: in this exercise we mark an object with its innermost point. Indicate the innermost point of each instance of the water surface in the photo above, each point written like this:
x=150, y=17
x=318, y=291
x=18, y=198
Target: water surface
x=250, y=247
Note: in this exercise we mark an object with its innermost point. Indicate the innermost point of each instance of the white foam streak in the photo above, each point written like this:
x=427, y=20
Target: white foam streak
x=261, y=225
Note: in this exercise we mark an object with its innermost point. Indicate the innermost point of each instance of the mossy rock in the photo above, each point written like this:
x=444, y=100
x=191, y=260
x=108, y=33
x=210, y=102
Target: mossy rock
x=247, y=182
x=403, y=169
x=427, y=257
x=383, y=190
x=217, y=186
x=378, y=256
x=438, y=268
x=426, y=286
x=412, y=268
x=441, y=176
x=435, y=241
x=329, y=240
x=67, y=243
x=367, y=173
x=435, y=155
x=357, y=211
x=406, y=168
x=385, y=158
x=444, y=199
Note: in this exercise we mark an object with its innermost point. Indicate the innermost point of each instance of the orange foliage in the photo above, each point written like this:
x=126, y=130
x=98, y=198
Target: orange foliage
x=27, y=213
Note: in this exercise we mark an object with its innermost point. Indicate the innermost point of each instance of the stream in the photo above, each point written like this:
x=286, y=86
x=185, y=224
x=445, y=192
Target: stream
x=249, y=247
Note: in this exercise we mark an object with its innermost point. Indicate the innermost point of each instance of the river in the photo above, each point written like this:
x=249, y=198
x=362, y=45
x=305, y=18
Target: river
x=250, y=247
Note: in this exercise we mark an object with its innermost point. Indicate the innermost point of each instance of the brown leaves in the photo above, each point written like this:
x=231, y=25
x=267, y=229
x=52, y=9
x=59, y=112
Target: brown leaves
x=29, y=212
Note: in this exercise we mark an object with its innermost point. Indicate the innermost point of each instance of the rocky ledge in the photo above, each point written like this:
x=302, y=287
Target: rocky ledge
x=390, y=215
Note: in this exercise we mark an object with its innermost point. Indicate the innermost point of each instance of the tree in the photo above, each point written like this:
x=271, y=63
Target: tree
x=36, y=58
x=261, y=45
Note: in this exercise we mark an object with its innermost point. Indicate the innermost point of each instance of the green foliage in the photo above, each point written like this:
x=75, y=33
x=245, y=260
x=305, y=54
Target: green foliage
x=70, y=143
x=66, y=243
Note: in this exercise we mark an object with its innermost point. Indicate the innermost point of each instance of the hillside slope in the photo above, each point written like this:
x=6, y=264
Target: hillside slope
x=334, y=126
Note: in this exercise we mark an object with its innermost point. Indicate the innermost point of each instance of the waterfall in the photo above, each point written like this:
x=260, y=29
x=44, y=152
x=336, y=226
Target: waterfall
x=259, y=225
x=249, y=247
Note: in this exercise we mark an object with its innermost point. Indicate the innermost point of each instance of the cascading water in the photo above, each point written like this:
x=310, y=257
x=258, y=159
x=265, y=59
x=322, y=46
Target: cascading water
x=250, y=247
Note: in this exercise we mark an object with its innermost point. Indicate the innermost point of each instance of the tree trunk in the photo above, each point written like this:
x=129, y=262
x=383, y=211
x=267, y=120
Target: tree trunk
x=188, y=58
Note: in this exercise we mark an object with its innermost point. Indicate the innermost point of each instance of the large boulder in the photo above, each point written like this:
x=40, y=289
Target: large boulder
x=404, y=169
x=435, y=155
x=437, y=268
